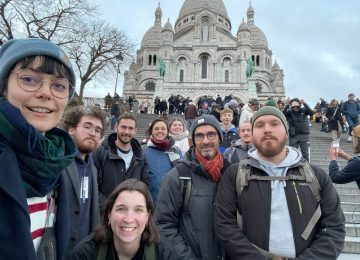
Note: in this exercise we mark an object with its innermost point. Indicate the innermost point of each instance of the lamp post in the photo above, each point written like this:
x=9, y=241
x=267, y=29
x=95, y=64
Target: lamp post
x=119, y=59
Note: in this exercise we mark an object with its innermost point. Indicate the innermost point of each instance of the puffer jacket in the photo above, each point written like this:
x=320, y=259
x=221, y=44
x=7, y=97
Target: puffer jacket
x=189, y=233
x=298, y=121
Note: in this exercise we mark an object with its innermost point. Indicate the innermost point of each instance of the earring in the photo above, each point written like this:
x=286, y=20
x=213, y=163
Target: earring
x=109, y=223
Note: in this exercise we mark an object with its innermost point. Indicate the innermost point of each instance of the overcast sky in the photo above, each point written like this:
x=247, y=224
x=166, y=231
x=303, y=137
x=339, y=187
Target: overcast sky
x=316, y=43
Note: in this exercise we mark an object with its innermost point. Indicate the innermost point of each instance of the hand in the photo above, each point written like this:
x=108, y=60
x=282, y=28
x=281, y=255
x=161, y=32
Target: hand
x=343, y=155
x=302, y=101
x=333, y=152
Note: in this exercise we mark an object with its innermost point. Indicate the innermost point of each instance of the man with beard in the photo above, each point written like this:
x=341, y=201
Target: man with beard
x=275, y=205
x=120, y=157
x=86, y=127
x=186, y=222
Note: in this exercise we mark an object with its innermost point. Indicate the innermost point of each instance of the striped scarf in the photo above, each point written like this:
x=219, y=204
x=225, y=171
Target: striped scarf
x=40, y=158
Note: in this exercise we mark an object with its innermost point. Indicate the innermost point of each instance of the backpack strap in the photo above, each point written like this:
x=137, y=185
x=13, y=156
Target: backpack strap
x=150, y=252
x=185, y=183
x=314, y=185
x=242, y=177
x=102, y=160
x=102, y=252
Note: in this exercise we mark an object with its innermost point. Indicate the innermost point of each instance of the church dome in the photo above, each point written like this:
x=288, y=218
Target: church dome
x=152, y=38
x=168, y=27
x=193, y=6
x=257, y=36
x=243, y=26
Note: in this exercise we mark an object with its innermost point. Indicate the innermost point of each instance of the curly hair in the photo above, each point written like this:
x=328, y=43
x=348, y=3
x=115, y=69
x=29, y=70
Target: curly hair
x=73, y=117
x=103, y=231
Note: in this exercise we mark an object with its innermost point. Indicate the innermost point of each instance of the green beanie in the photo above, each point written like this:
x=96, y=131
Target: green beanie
x=268, y=110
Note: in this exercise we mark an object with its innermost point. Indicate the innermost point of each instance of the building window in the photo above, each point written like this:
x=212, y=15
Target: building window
x=181, y=75
x=226, y=76
x=204, y=63
x=150, y=86
x=257, y=60
x=150, y=60
x=154, y=60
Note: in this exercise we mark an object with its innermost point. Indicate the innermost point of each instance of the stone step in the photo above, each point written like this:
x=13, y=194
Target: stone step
x=352, y=217
x=352, y=230
x=349, y=198
x=351, y=206
x=352, y=245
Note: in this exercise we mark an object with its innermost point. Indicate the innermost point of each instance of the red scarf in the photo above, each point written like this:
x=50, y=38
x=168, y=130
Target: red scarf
x=212, y=167
x=162, y=144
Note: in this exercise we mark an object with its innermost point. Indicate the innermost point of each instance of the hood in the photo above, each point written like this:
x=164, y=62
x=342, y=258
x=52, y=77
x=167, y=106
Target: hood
x=231, y=129
x=248, y=108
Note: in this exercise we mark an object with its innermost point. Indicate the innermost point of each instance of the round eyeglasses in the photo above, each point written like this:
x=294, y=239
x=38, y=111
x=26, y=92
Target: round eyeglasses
x=31, y=81
x=200, y=136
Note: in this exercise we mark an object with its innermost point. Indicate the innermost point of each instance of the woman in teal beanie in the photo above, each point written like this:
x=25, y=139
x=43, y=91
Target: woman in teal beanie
x=36, y=83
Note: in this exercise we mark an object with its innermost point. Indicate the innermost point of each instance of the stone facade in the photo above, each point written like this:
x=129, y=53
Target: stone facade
x=202, y=57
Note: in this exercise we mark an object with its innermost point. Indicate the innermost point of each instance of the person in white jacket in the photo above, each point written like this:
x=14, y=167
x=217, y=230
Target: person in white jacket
x=248, y=110
x=179, y=133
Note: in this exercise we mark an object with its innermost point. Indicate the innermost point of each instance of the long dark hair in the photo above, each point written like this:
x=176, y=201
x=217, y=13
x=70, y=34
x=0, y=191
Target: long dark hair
x=159, y=119
x=103, y=231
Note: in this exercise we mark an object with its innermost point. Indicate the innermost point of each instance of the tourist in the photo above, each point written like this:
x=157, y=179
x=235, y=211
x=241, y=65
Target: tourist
x=36, y=83
x=160, y=154
x=180, y=134
x=127, y=229
x=351, y=172
x=86, y=127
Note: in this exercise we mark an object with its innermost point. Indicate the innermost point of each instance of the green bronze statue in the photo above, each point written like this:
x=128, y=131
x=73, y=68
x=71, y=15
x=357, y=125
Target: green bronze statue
x=162, y=68
x=249, y=68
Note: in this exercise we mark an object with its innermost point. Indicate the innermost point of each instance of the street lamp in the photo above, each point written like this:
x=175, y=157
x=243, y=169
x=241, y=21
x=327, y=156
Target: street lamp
x=119, y=59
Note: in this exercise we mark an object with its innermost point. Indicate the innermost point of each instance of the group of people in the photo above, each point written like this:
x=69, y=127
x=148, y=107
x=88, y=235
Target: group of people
x=215, y=190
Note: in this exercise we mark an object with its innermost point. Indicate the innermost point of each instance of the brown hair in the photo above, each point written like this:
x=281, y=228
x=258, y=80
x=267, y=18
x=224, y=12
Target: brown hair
x=73, y=117
x=126, y=116
x=226, y=110
x=177, y=119
x=103, y=231
x=159, y=119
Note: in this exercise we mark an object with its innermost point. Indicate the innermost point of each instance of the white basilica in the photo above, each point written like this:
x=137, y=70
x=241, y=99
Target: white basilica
x=202, y=57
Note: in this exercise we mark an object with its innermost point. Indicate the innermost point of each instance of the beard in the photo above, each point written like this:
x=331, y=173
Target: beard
x=124, y=139
x=270, y=148
x=86, y=146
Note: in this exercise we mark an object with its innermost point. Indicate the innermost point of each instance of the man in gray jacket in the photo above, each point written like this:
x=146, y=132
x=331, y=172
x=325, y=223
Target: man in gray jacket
x=186, y=222
x=86, y=127
x=275, y=205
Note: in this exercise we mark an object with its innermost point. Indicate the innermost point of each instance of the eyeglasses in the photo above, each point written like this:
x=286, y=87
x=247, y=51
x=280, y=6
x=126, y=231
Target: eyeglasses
x=200, y=136
x=89, y=129
x=31, y=81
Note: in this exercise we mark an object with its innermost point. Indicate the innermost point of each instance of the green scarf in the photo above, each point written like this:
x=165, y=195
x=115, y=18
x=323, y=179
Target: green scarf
x=40, y=158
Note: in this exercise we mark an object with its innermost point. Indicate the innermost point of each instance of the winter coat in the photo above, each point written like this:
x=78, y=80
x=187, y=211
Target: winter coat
x=228, y=136
x=334, y=117
x=72, y=181
x=350, y=109
x=188, y=234
x=190, y=111
x=350, y=173
x=246, y=114
x=298, y=120
x=112, y=169
x=15, y=240
x=237, y=151
x=325, y=241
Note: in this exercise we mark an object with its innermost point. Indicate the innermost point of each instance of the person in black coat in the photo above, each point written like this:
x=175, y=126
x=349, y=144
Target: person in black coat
x=334, y=117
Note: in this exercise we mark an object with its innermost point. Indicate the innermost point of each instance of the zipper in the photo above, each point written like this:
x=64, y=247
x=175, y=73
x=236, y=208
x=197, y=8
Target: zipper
x=297, y=197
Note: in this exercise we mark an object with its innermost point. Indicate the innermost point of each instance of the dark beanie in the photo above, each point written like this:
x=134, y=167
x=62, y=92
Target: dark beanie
x=206, y=120
x=268, y=110
x=18, y=49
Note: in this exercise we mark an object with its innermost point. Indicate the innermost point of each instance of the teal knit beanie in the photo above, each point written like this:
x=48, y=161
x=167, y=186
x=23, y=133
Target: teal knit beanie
x=17, y=49
x=268, y=110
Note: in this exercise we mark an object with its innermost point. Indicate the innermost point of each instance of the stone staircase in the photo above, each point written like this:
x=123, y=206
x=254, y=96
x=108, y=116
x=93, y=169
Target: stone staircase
x=349, y=193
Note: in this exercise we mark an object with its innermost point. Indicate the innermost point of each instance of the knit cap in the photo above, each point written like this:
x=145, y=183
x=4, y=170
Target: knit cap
x=206, y=120
x=17, y=49
x=268, y=110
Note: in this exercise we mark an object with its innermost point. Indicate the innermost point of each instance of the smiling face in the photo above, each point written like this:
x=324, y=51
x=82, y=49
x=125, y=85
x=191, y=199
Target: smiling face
x=39, y=108
x=128, y=218
x=176, y=128
x=206, y=145
x=159, y=131
x=226, y=118
x=269, y=137
x=126, y=130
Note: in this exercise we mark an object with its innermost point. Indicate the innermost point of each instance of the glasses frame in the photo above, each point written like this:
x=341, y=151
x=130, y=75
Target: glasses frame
x=91, y=128
x=51, y=83
x=200, y=139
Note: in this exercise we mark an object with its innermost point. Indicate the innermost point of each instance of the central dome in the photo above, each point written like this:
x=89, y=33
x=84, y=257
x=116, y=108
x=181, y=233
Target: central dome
x=192, y=6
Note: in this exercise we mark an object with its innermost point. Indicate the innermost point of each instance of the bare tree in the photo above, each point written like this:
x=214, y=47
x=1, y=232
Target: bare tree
x=53, y=20
x=99, y=51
